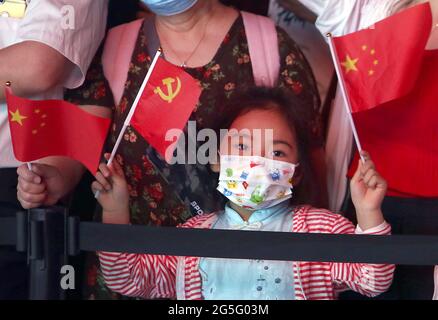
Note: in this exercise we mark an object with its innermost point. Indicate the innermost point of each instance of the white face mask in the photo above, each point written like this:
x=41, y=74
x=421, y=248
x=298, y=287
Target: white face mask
x=255, y=182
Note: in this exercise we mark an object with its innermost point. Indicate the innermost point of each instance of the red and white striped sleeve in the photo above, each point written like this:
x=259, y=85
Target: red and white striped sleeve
x=367, y=279
x=139, y=275
x=143, y=275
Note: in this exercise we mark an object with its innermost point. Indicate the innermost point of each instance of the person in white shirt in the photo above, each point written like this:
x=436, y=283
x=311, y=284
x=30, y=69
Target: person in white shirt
x=299, y=24
x=341, y=17
x=45, y=48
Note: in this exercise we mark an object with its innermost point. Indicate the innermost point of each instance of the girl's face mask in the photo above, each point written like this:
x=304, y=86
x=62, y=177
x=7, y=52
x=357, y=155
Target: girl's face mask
x=254, y=182
x=169, y=7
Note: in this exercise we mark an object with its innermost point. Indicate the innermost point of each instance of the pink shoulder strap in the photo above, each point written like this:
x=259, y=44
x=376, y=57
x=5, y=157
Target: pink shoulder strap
x=262, y=43
x=117, y=54
x=263, y=48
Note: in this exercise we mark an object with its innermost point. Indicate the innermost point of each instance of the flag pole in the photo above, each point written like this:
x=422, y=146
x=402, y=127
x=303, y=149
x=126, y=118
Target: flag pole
x=345, y=96
x=134, y=106
x=132, y=111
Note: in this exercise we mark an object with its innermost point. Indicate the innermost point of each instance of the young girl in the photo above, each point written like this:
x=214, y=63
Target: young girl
x=258, y=179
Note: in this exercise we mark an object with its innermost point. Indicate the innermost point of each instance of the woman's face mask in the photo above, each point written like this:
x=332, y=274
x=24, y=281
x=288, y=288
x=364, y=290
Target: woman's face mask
x=255, y=182
x=169, y=7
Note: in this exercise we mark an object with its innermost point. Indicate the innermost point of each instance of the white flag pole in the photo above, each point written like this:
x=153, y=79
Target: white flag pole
x=132, y=111
x=345, y=96
x=134, y=106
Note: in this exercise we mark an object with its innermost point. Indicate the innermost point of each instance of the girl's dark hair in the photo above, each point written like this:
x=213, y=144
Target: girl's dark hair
x=298, y=116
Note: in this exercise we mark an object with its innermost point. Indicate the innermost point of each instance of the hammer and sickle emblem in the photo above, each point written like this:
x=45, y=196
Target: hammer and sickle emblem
x=170, y=93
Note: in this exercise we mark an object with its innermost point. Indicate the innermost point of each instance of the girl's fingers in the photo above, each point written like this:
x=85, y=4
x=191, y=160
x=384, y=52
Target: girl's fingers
x=103, y=181
x=103, y=168
x=368, y=175
x=375, y=181
x=368, y=165
x=117, y=168
x=365, y=155
x=372, y=183
x=96, y=186
x=362, y=169
x=380, y=182
x=114, y=167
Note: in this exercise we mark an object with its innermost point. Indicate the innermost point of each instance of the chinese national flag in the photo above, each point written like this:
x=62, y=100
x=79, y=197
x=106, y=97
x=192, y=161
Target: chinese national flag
x=167, y=102
x=402, y=136
x=382, y=63
x=55, y=128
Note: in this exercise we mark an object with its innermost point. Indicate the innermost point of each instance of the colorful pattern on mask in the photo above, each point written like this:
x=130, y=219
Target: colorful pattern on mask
x=255, y=182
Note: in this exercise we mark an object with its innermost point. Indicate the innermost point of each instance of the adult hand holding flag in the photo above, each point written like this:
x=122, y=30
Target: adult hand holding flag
x=46, y=128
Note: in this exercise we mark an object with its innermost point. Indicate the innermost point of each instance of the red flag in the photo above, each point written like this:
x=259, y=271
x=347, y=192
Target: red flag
x=402, y=136
x=382, y=63
x=166, y=103
x=55, y=128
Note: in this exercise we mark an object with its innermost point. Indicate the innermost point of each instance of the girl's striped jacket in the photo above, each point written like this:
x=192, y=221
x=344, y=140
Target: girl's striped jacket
x=159, y=276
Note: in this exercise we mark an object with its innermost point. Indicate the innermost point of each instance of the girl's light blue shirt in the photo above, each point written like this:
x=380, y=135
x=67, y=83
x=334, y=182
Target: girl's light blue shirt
x=238, y=279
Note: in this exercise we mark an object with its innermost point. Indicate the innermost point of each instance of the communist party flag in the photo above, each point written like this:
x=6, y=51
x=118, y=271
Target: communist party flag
x=55, y=128
x=382, y=63
x=166, y=103
x=402, y=136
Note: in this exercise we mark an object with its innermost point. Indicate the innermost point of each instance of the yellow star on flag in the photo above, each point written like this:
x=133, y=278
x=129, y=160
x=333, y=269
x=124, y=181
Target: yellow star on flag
x=350, y=64
x=17, y=117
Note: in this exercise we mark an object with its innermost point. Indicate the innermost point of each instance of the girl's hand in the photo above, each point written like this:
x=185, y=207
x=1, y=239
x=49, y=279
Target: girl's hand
x=114, y=195
x=368, y=189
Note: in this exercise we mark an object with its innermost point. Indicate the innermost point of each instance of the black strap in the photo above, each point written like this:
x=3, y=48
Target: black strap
x=283, y=246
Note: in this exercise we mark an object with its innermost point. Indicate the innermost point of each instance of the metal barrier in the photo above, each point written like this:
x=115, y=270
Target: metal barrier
x=49, y=236
x=41, y=233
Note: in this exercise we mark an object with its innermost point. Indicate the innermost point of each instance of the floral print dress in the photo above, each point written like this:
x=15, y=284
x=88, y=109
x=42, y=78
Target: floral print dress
x=166, y=195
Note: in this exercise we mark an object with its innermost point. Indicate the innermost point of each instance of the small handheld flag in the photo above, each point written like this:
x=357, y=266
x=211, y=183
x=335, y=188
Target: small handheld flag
x=402, y=136
x=55, y=128
x=167, y=97
x=381, y=64
x=166, y=103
